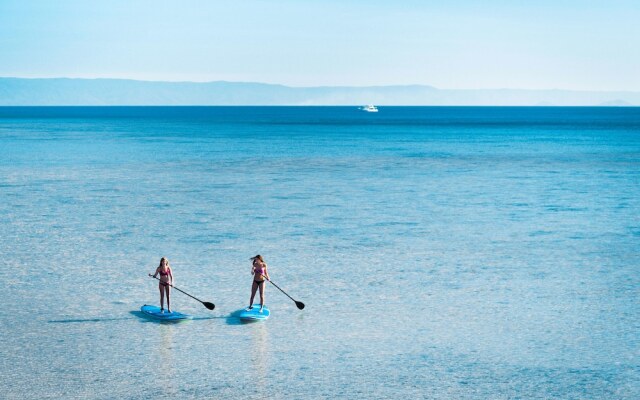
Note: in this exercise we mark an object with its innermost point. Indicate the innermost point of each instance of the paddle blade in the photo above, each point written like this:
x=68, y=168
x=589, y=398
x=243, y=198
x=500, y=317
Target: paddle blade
x=210, y=306
x=300, y=305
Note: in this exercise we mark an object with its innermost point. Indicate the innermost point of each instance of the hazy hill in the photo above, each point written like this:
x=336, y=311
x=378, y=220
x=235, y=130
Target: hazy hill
x=63, y=91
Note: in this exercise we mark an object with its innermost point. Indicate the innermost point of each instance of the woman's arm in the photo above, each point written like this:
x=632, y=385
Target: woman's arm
x=157, y=271
x=266, y=272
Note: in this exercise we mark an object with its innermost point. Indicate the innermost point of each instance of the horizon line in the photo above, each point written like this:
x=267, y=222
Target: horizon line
x=315, y=87
x=307, y=105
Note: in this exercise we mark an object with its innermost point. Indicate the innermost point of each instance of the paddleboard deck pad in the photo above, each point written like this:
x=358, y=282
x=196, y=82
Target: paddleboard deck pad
x=254, y=314
x=173, y=316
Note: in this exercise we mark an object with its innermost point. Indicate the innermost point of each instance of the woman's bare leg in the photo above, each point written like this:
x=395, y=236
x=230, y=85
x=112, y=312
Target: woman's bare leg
x=254, y=288
x=262, y=288
x=168, y=289
x=161, y=296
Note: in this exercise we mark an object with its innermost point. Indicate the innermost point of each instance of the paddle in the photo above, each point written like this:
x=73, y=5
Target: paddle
x=299, y=304
x=210, y=306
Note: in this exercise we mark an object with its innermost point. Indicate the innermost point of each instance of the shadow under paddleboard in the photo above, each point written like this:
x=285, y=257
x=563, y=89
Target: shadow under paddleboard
x=148, y=318
x=86, y=320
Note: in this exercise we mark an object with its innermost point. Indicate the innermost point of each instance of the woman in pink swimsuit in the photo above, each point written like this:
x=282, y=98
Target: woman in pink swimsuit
x=260, y=274
x=166, y=279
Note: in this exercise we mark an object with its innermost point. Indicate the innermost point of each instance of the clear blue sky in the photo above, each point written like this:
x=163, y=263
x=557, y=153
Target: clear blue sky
x=544, y=44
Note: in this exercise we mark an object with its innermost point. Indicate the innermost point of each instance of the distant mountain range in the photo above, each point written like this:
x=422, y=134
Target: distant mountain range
x=103, y=92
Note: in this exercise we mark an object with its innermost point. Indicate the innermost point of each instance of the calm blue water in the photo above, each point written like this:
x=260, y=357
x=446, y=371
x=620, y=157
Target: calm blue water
x=488, y=253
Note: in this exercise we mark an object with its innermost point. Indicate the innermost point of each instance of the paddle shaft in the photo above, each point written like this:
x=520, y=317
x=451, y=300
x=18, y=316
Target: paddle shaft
x=179, y=290
x=286, y=294
x=299, y=304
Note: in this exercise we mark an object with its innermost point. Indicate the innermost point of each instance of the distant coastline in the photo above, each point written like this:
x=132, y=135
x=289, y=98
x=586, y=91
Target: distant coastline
x=124, y=92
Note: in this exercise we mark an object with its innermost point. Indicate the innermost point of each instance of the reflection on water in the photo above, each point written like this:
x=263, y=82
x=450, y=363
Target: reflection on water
x=260, y=356
x=166, y=376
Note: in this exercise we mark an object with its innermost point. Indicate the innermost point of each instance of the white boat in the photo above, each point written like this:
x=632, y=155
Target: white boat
x=370, y=108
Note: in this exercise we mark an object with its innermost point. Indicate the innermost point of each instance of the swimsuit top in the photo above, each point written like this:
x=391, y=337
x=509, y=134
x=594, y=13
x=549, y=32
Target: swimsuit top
x=259, y=272
x=165, y=273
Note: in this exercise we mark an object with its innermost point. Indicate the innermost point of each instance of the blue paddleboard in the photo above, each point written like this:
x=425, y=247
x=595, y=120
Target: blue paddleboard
x=254, y=314
x=154, y=312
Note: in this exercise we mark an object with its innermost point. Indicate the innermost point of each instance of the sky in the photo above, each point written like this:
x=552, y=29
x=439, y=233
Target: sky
x=456, y=44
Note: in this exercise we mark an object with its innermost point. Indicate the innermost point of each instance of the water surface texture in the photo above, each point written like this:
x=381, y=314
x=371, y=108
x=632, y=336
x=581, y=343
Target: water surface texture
x=488, y=253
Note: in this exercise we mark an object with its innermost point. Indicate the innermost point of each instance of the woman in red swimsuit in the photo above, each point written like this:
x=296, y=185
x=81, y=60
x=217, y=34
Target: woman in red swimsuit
x=260, y=274
x=166, y=280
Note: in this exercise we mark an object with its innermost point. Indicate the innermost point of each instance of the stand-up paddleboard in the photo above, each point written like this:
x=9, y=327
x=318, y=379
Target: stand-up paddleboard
x=254, y=314
x=173, y=316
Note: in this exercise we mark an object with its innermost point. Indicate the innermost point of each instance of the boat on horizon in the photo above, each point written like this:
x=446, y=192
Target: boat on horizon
x=370, y=108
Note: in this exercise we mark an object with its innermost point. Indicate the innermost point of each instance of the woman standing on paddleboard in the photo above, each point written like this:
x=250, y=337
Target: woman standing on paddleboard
x=260, y=274
x=166, y=279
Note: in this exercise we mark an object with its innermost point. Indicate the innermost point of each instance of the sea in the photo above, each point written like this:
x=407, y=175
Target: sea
x=440, y=252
